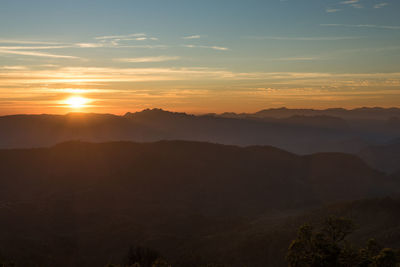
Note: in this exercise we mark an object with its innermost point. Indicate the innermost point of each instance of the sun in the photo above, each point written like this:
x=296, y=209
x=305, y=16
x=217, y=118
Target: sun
x=77, y=102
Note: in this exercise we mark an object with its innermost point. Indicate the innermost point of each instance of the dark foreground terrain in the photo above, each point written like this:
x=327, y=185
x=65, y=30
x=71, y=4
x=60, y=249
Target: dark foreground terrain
x=85, y=204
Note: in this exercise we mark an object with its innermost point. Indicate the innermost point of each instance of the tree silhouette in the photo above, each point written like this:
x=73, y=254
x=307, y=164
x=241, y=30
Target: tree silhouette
x=143, y=257
x=328, y=247
x=161, y=263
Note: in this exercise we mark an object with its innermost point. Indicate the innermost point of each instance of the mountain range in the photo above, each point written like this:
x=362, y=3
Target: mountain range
x=358, y=131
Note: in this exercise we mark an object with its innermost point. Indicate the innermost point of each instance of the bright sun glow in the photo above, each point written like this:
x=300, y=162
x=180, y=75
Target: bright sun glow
x=76, y=102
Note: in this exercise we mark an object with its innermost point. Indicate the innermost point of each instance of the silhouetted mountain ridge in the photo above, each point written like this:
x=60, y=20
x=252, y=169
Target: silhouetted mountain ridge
x=297, y=133
x=357, y=113
x=156, y=113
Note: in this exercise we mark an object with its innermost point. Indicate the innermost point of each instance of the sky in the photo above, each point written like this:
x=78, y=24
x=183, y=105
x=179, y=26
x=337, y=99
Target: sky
x=117, y=56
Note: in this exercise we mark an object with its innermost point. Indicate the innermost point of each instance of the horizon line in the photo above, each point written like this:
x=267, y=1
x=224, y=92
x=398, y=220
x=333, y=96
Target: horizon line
x=196, y=113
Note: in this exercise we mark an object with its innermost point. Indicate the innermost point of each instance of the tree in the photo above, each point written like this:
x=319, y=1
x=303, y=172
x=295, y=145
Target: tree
x=161, y=263
x=328, y=247
x=141, y=256
x=386, y=258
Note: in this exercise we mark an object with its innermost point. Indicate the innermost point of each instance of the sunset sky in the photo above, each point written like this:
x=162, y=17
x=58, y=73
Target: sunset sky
x=200, y=56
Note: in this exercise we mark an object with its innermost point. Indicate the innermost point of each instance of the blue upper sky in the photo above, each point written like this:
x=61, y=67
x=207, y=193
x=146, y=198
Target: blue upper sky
x=221, y=43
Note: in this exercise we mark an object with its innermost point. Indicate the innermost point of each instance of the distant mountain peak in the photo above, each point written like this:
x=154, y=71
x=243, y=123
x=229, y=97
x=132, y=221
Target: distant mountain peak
x=156, y=113
x=367, y=113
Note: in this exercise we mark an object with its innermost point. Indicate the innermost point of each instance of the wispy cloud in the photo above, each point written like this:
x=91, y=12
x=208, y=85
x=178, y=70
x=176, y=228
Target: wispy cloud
x=116, y=40
x=33, y=47
x=9, y=41
x=82, y=75
x=297, y=59
x=30, y=48
x=380, y=5
x=34, y=54
x=108, y=86
x=96, y=75
x=387, y=27
x=89, y=45
x=13, y=67
x=332, y=10
x=20, y=48
x=191, y=37
x=353, y=3
x=303, y=38
x=147, y=59
x=144, y=46
x=220, y=48
x=117, y=45
x=350, y=2
x=137, y=35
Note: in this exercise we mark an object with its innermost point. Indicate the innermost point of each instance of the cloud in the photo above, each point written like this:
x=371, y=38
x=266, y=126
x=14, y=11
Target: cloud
x=29, y=50
x=137, y=35
x=32, y=47
x=8, y=41
x=380, y=5
x=216, y=48
x=88, y=75
x=353, y=3
x=37, y=89
x=89, y=45
x=303, y=38
x=34, y=54
x=220, y=48
x=147, y=59
x=297, y=59
x=332, y=10
x=76, y=90
x=115, y=40
x=143, y=46
x=109, y=45
x=192, y=37
x=112, y=86
x=363, y=26
x=13, y=68
x=350, y=2
x=95, y=75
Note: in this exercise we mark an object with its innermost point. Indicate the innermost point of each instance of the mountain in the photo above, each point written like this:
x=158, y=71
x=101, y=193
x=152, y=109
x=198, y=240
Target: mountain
x=84, y=204
x=300, y=134
x=383, y=157
x=321, y=121
x=376, y=113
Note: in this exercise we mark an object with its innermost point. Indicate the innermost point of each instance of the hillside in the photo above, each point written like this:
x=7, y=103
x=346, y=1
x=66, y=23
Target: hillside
x=85, y=204
x=264, y=242
x=383, y=157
